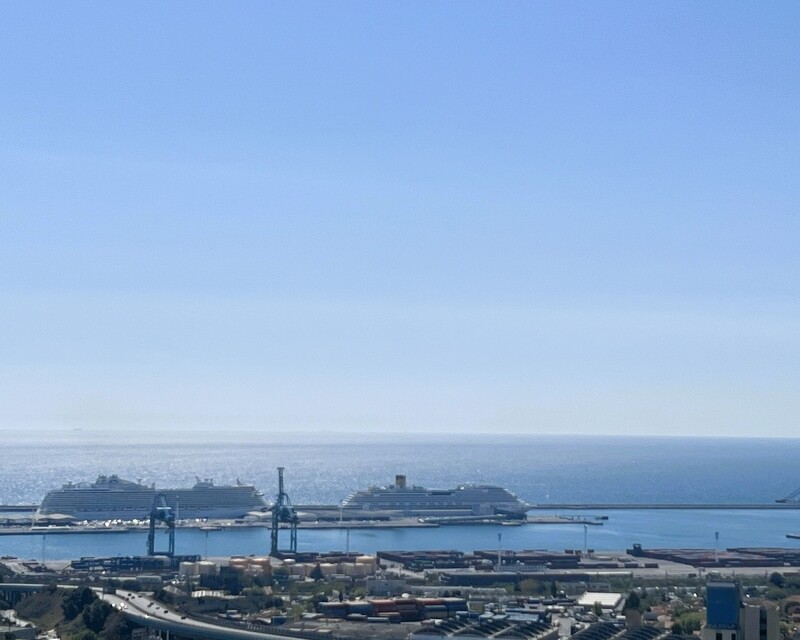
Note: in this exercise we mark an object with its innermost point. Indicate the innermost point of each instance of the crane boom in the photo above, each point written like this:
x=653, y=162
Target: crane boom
x=792, y=497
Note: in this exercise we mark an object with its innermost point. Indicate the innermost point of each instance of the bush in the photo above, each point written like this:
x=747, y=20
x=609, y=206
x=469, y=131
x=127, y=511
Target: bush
x=688, y=622
x=774, y=593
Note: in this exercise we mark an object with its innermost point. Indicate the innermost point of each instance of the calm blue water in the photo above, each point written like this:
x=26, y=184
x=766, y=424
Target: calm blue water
x=620, y=531
x=326, y=469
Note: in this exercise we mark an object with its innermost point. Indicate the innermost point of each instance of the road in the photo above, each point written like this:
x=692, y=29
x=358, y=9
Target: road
x=149, y=613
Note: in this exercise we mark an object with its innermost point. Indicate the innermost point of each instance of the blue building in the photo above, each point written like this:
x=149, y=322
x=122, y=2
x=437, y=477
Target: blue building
x=729, y=618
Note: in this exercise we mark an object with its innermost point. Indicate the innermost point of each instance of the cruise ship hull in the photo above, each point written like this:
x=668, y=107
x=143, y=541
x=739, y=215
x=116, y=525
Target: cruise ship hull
x=111, y=498
x=465, y=500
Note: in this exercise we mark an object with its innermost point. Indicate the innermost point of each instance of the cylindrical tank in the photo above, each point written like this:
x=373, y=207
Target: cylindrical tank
x=207, y=568
x=368, y=560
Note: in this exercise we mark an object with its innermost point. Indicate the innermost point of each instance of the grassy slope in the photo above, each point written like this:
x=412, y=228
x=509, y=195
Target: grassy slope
x=43, y=609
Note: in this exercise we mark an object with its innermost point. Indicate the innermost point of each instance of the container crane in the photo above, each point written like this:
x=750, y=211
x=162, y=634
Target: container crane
x=283, y=513
x=161, y=512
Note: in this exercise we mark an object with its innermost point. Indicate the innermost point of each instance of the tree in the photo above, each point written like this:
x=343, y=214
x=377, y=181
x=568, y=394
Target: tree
x=116, y=628
x=76, y=600
x=774, y=593
x=688, y=622
x=777, y=579
x=597, y=608
x=529, y=585
x=96, y=614
x=633, y=601
x=316, y=573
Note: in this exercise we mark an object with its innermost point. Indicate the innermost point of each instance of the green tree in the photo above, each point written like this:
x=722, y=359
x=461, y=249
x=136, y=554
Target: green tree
x=96, y=614
x=777, y=579
x=316, y=573
x=116, y=628
x=76, y=600
x=633, y=601
x=233, y=580
x=792, y=582
x=689, y=622
x=774, y=593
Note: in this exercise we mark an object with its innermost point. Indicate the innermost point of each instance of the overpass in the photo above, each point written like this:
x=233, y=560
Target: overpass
x=146, y=612
x=13, y=592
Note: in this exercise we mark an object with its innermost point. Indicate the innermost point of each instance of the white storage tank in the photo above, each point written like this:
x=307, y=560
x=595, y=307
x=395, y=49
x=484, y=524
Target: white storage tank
x=207, y=568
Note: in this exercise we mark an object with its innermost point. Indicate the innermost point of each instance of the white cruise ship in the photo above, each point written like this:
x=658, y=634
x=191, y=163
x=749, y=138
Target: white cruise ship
x=112, y=498
x=463, y=500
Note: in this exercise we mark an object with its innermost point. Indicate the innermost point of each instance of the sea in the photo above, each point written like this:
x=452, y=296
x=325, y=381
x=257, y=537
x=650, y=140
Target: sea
x=326, y=468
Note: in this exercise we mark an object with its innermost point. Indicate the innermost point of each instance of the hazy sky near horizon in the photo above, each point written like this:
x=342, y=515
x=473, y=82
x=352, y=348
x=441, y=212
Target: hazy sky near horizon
x=549, y=217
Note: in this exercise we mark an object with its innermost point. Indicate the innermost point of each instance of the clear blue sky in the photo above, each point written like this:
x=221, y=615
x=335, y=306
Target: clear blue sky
x=547, y=217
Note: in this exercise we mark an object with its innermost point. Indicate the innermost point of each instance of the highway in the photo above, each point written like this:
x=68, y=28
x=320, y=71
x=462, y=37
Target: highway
x=149, y=613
